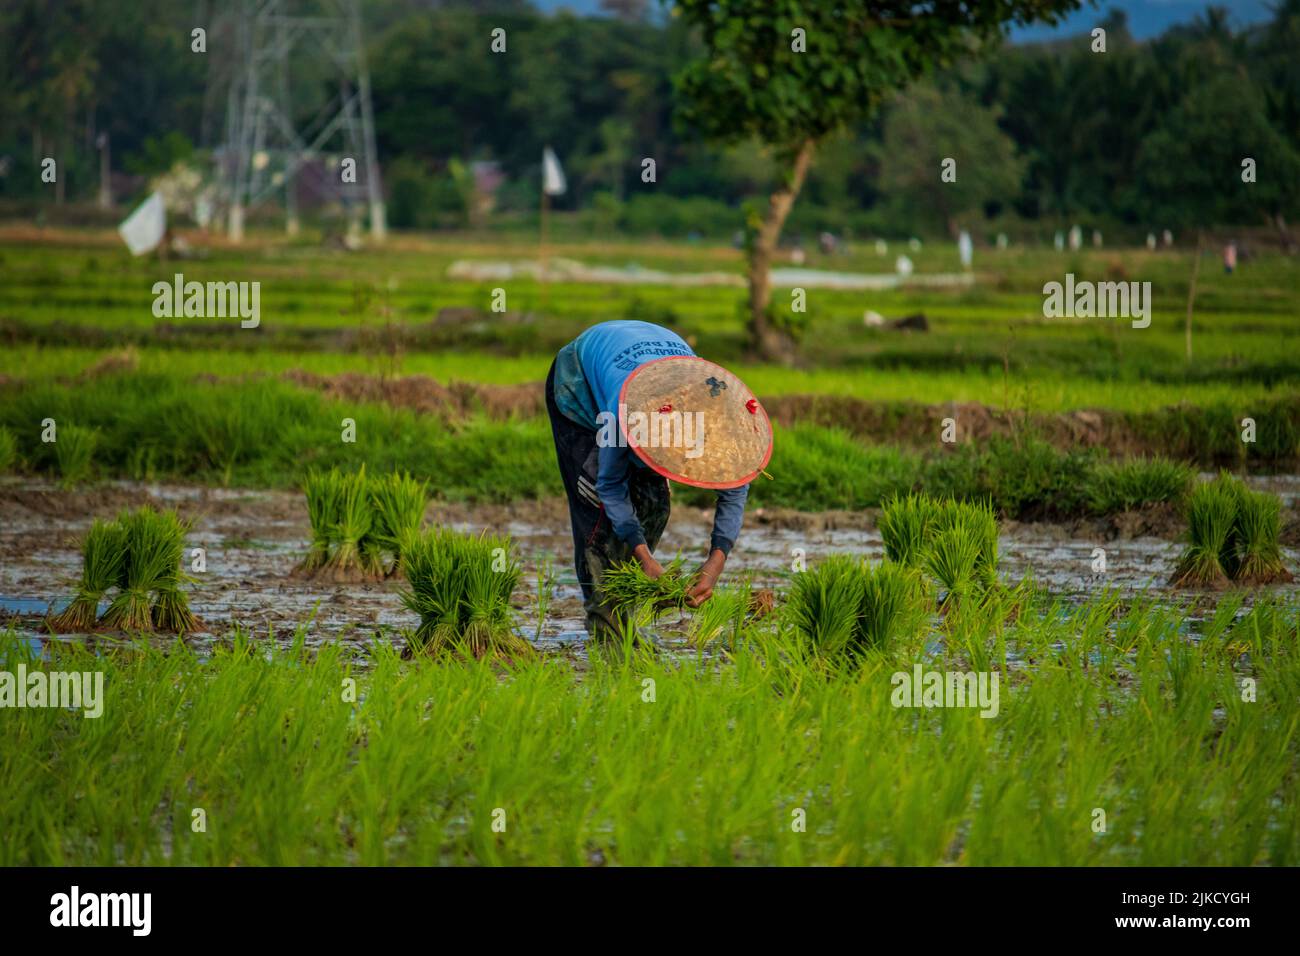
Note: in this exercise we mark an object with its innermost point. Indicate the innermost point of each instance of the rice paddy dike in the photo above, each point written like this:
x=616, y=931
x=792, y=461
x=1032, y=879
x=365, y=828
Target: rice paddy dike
x=1135, y=723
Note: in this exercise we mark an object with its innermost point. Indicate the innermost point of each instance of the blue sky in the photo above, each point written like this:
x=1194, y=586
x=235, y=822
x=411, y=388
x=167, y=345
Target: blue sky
x=1147, y=18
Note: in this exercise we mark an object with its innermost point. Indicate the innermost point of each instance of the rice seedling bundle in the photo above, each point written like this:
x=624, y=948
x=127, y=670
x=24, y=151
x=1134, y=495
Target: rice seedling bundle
x=103, y=551
x=844, y=606
x=322, y=491
x=139, y=555
x=353, y=519
x=154, y=540
x=905, y=524
x=460, y=586
x=957, y=542
x=1211, y=514
x=630, y=588
x=74, y=447
x=1258, y=526
x=359, y=524
x=980, y=523
x=398, y=501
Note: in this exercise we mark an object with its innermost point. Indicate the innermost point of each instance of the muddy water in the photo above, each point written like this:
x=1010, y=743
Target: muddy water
x=253, y=540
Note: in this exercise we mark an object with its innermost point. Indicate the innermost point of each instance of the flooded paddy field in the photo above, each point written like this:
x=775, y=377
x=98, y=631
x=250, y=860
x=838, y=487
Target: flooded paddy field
x=254, y=539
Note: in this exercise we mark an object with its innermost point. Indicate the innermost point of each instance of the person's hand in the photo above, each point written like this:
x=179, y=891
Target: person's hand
x=707, y=577
x=652, y=568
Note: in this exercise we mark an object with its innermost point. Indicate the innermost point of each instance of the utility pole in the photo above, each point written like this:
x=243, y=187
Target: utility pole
x=271, y=134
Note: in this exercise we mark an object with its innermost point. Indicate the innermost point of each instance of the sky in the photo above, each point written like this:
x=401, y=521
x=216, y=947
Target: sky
x=1147, y=18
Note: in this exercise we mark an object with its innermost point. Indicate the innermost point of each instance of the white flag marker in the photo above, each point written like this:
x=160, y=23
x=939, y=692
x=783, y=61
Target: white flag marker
x=145, y=228
x=553, y=183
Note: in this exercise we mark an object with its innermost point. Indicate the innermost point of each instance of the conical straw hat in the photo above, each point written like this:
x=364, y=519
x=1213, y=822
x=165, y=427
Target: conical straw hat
x=694, y=422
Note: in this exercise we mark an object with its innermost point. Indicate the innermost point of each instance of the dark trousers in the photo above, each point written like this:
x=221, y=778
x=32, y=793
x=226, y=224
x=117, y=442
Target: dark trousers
x=595, y=546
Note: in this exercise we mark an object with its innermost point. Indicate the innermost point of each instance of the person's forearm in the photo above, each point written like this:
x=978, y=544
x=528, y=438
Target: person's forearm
x=727, y=518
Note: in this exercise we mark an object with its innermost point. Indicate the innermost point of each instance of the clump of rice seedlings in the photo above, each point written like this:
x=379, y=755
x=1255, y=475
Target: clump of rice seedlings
x=322, y=489
x=398, y=501
x=358, y=524
x=74, y=448
x=171, y=608
x=353, y=519
x=630, y=588
x=103, y=551
x=1122, y=486
x=955, y=541
x=1257, y=528
x=460, y=586
x=845, y=607
x=8, y=451
x=905, y=525
x=153, y=542
x=722, y=617
x=953, y=558
x=1211, y=515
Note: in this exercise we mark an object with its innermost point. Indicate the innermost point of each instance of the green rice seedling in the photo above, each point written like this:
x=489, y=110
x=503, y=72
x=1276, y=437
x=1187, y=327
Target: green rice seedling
x=8, y=451
x=460, y=586
x=151, y=554
x=889, y=601
x=844, y=607
x=905, y=524
x=1258, y=526
x=398, y=501
x=978, y=522
x=1235, y=490
x=629, y=588
x=1122, y=486
x=75, y=449
x=353, y=520
x=824, y=603
x=953, y=558
x=323, y=491
x=171, y=606
x=103, y=550
x=1211, y=514
x=721, y=619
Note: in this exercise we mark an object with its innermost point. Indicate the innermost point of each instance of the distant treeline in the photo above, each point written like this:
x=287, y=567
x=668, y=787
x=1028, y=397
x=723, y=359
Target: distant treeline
x=1145, y=134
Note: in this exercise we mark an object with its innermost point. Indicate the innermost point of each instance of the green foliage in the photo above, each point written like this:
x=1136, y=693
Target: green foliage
x=1124, y=485
x=8, y=451
x=74, y=447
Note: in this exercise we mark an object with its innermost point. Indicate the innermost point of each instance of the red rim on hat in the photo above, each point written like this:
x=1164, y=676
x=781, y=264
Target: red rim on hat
x=720, y=437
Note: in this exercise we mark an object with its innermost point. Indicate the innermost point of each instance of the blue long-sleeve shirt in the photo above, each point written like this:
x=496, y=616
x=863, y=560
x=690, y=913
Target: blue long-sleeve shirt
x=589, y=376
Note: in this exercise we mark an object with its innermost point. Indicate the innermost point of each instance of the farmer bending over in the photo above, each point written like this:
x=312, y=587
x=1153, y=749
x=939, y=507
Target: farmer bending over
x=632, y=406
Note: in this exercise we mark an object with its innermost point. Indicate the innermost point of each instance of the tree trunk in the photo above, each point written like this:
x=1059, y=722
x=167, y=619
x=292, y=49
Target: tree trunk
x=770, y=341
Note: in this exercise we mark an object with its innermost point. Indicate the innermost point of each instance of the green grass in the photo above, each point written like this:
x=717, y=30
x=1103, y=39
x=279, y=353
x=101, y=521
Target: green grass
x=1125, y=485
x=67, y=304
x=1120, y=711
x=74, y=448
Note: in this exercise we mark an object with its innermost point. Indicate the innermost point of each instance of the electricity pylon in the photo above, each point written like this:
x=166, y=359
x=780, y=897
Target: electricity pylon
x=266, y=144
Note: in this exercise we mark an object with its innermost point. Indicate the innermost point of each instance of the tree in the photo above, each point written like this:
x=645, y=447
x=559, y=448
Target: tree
x=791, y=72
x=1191, y=166
x=927, y=127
